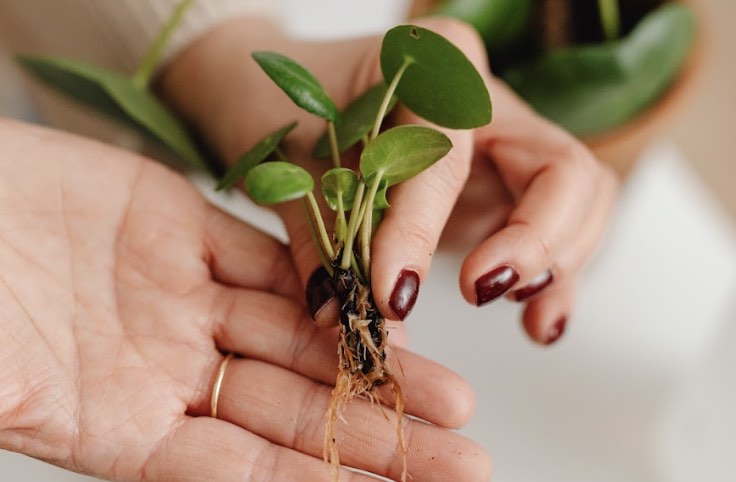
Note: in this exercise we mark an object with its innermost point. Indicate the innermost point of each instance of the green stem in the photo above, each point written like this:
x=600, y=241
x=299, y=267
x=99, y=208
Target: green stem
x=347, y=252
x=341, y=224
x=280, y=155
x=610, y=18
x=366, y=229
x=315, y=238
x=142, y=77
x=387, y=98
x=334, y=150
x=323, y=236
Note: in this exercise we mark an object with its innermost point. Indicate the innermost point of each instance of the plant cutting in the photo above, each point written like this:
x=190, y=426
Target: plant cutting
x=591, y=67
x=434, y=79
x=421, y=70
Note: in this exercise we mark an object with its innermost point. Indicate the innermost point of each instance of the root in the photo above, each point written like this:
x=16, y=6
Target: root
x=362, y=364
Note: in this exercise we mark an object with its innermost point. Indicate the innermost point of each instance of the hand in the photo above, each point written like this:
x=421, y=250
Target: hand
x=534, y=209
x=120, y=287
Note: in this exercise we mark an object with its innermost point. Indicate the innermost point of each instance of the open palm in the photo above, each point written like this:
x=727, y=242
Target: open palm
x=120, y=288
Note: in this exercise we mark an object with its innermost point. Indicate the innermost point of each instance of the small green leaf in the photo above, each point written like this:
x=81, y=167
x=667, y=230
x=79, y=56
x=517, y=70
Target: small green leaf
x=253, y=157
x=278, y=182
x=441, y=84
x=403, y=152
x=117, y=96
x=340, y=182
x=356, y=121
x=298, y=83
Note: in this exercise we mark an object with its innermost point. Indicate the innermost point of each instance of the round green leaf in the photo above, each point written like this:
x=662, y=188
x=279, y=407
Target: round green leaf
x=593, y=88
x=254, y=156
x=298, y=83
x=403, y=152
x=356, y=121
x=441, y=84
x=278, y=182
x=339, y=182
x=117, y=96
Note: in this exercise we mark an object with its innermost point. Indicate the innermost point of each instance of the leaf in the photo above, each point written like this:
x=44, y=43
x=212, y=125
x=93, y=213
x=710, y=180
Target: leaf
x=278, y=182
x=381, y=200
x=591, y=89
x=356, y=121
x=441, y=84
x=340, y=182
x=117, y=96
x=403, y=152
x=298, y=83
x=254, y=156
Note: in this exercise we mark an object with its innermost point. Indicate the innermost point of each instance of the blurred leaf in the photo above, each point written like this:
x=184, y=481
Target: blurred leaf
x=593, y=88
x=298, y=83
x=117, y=96
x=254, y=156
x=501, y=23
x=278, y=182
x=441, y=84
x=403, y=152
x=356, y=121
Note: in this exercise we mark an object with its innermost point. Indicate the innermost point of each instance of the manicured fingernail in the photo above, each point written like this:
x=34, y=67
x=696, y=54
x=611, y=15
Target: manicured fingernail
x=556, y=331
x=405, y=293
x=535, y=286
x=320, y=290
x=494, y=284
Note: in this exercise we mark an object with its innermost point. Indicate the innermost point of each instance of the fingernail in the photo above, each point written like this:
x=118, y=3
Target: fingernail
x=535, y=286
x=405, y=293
x=494, y=284
x=320, y=290
x=556, y=331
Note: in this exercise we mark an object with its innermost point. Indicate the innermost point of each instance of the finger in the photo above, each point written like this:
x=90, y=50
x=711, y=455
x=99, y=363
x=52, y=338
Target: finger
x=555, y=178
x=572, y=258
x=289, y=410
x=408, y=236
x=546, y=316
x=204, y=448
x=266, y=327
x=240, y=255
x=320, y=291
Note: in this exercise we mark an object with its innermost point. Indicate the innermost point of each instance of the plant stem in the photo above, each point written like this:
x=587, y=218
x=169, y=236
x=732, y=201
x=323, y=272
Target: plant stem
x=316, y=239
x=142, y=77
x=610, y=18
x=341, y=224
x=347, y=252
x=366, y=229
x=280, y=155
x=334, y=149
x=387, y=98
x=323, y=236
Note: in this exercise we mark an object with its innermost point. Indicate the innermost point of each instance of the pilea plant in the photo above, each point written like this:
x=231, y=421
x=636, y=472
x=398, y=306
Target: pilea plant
x=421, y=69
x=428, y=75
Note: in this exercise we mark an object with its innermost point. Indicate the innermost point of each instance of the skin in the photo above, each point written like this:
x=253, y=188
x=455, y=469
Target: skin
x=537, y=200
x=120, y=287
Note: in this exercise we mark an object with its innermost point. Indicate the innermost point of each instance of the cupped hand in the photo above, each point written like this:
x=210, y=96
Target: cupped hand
x=530, y=202
x=120, y=290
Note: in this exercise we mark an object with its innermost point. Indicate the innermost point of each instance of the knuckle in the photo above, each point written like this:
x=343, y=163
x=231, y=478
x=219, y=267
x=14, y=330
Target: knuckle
x=415, y=231
x=450, y=174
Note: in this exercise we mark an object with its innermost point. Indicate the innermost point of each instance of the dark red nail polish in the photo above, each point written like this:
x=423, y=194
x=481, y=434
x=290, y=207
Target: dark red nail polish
x=556, y=331
x=535, y=286
x=494, y=284
x=404, y=294
x=320, y=290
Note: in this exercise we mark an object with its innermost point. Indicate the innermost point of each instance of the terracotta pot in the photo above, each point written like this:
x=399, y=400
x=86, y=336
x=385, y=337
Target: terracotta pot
x=622, y=146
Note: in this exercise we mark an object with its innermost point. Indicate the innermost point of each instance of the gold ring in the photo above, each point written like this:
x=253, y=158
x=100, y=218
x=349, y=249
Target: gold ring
x=218, y=384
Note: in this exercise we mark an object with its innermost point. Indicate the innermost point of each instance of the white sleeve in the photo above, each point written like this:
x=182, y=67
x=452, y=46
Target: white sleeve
x=114, y=33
